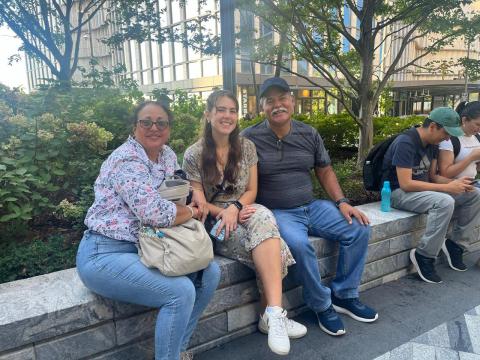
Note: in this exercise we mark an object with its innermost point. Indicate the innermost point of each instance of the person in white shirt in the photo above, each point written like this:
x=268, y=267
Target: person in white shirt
x=463, y=161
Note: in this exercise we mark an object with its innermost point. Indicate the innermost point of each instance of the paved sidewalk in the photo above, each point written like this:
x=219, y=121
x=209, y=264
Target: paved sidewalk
x=416, y=321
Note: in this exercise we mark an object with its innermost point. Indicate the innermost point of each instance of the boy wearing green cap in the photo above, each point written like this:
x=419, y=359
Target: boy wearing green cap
x=411, y=165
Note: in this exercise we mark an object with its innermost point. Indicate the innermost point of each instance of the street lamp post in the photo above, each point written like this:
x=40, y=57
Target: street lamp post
x=227, y=23
x=465, y=91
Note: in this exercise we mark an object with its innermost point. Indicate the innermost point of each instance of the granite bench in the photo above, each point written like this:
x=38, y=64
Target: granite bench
x=54, y=316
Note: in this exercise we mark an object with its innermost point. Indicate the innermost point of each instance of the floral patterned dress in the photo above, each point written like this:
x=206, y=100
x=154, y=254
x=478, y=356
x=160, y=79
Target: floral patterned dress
x=261, y=225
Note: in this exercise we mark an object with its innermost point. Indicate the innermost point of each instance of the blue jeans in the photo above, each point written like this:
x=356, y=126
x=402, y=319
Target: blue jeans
x=112, y=268
x=321, y=218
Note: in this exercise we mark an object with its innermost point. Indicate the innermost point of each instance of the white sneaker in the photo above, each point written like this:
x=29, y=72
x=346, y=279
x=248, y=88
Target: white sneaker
x=295, y=330
x=278, y=340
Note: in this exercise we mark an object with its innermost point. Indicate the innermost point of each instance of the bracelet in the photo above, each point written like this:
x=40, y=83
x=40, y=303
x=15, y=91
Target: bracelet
x=191, y=210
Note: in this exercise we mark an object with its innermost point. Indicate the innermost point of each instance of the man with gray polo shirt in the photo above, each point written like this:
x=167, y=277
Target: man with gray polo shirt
x=287, y=151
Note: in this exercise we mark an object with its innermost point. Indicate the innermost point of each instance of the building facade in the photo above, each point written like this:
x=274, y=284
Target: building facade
x=171, y=65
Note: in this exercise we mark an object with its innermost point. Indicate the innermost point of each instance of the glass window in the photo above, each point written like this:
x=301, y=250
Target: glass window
x=191, y=8
x=178, y=52
x=210, y=26
x=245, y=66
x=136, y=77
x=210, y=67
x=246, y=20
x=302, y=67
x=166, y=74
x=287, y=63
x=194, y=70
x=166, y=53
x=192, y=54
x=176, y=11
x=266, y=29
x=207, y=6
x=266, y=69
x=144, y=55
x=156, y=76
x=133, y=56
x=179, y=72
x=162, y=9
x=155, y=54
x=145, y=77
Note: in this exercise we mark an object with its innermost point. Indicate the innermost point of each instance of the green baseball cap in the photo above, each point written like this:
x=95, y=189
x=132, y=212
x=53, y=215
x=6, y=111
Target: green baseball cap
x=448, y=119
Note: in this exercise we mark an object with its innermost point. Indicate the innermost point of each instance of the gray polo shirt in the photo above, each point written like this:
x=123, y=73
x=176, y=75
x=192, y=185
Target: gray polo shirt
x=284, y=179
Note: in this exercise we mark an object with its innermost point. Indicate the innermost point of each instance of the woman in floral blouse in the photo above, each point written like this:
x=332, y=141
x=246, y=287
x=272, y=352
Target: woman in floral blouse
x=126, y=195
x=222, y=168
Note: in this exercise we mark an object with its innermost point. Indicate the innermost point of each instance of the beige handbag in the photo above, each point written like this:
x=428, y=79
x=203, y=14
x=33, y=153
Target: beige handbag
x=176, y=251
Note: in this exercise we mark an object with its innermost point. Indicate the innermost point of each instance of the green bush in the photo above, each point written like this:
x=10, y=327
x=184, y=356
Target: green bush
x=23, y=260
x=351, y=181
x=340, y=132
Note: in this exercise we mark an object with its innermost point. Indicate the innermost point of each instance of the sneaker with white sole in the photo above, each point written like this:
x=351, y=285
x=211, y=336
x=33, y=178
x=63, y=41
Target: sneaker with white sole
x=454, y=255
x=425, y=267
x=330, y=322
x=354, y=308
x=295, y=330
x=276, y=322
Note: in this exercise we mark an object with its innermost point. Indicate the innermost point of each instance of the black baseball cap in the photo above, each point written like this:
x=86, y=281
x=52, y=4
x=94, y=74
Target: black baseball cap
x=274, y=82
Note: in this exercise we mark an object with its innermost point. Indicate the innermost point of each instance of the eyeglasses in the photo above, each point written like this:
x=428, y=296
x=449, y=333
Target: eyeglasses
x=147, y=124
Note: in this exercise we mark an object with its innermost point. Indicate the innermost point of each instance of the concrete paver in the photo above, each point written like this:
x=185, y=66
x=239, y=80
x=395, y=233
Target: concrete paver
x=416, y=321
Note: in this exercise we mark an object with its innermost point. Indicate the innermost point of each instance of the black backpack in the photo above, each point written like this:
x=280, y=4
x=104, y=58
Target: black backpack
x=372, y=167
x=373, y=175
x=456, y=144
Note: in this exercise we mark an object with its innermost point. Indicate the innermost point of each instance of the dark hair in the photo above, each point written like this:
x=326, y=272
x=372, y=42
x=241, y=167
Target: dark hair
x=428, y=121
x=144, y=104
x=210, y=172
x=468, y=110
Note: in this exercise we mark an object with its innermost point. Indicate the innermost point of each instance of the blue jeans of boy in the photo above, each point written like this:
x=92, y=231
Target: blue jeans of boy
x=112, y=268
x=321, y=218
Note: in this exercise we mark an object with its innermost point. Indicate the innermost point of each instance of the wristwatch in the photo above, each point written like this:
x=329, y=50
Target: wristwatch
x=342, y=200
x=238, y=205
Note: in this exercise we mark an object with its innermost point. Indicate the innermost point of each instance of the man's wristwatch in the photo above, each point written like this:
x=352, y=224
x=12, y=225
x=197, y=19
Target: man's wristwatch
x=238, y=205
x=342, y=200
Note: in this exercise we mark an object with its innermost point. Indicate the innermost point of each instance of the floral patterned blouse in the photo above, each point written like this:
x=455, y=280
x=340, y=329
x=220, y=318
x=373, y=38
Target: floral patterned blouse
x=126, y=192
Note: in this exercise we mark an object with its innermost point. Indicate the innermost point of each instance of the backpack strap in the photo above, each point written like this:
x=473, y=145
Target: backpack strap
x=477, y=135
x=456, y=145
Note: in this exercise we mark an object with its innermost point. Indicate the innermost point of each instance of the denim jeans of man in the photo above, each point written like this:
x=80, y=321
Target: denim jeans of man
x=462, y=209
x=321, y=218
x=112, y=268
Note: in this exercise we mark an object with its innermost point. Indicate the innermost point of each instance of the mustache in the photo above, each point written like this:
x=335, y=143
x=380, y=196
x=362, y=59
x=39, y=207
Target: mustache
x=279, y=110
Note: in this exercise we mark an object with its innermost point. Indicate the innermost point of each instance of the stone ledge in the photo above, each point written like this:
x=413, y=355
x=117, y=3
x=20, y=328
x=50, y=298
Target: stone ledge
x=45, y=316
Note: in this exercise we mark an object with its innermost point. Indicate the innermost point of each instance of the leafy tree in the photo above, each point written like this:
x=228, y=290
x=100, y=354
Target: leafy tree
x=50, y=30
x=141, y=21
x=320, y=31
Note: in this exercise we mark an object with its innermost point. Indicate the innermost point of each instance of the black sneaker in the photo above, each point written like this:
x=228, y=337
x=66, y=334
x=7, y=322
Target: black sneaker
x=425, y=267
x=330, y=322
x=454, y=254
x=354, y=308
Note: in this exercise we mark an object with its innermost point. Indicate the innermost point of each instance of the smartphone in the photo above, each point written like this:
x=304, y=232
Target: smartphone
x=213, y=232
x=475, y=182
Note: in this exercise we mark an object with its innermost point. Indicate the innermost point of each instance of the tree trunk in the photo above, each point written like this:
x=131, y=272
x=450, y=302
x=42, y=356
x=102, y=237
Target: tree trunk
x=366, y=136
x=64, y=77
